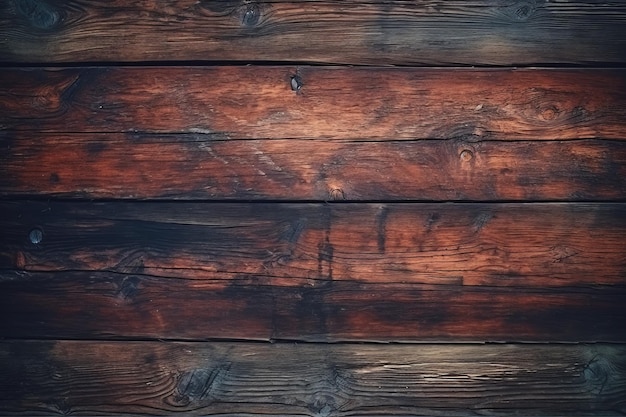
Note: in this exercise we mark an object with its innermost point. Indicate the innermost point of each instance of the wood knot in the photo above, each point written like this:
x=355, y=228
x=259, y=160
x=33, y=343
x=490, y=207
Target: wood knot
x=296, y=83
x=197, y=386
x=129, y=288
x=549, y=113
x=39, y=14
x=599, y=374
x=251, y=14
x=35, y=236
x=520, y=11
x=466, y=155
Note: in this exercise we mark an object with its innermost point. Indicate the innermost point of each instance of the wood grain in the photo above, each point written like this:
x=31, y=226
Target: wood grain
x=469, y=244
x=131, y=306
x=552, y=272
x=434, y=32
x=199, y=379
x=134, y=166
x=332, y=103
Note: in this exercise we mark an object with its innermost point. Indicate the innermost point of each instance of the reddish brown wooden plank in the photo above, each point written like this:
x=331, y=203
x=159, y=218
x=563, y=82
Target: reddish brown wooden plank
x=99, y=305
x=469, y=244
x=150, y=166
x=476, y=32
x=314, y=272
x=338, y=103
x=199, y=379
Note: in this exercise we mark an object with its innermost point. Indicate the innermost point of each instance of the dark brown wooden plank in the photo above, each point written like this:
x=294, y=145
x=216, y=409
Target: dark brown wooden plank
x=337, y=103
x=199, y=379
x=435, y=32
x=150, y=166
x=314, y=272
x=470, y=244
x=104, y=305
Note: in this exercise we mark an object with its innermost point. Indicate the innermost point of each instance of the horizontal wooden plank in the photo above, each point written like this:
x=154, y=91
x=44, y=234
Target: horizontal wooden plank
x=105, y=305
x=150, y=166
x=314, y=272
x=469, y=244
x=336, y=103
x=435, y=32
x=199, y=379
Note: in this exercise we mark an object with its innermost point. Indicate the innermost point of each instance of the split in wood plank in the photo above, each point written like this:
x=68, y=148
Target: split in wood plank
x=436, y=32
x=333, y=103
x=198, y=379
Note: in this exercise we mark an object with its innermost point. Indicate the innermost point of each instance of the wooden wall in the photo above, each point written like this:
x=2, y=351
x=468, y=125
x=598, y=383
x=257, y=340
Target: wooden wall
x=313, y=208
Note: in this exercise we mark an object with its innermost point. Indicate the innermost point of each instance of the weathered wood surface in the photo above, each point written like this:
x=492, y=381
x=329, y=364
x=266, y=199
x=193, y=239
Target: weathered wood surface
x=434, y=32
x=334, y=103
x=131, y=306
x=199, y=379
x=469, y=244
x=552, y=272
x=133, y=166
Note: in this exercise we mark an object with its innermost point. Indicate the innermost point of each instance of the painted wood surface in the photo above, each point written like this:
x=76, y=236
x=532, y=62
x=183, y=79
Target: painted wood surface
x=433, y=32
x=258, y=102
x=148, y=166
x=320, y=272
x=199, y=379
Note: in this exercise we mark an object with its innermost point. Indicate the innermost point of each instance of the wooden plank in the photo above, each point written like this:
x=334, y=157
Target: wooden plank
x=104, y=305
x=336, y=103
x=199, y=379
x=314, y=272
x=469, y=244
x=149, y=166
x=436, y=32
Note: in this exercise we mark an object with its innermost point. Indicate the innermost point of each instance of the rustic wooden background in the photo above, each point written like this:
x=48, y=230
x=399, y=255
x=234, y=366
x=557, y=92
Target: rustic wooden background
x=313, y=208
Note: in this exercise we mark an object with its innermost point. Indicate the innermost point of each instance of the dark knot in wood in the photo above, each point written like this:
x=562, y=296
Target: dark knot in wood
x=296, y=83
x=520, y=11
x=35, y=236
x=251, y=15
x=39, y=14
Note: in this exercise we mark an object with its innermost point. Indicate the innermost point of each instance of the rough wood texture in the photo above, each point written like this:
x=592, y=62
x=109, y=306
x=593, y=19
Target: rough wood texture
x=199, y=379
x=104, y=305
x=433, y=32
x=337, y=103
x=469, y=244
x=133, y=166
x=314, y=272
